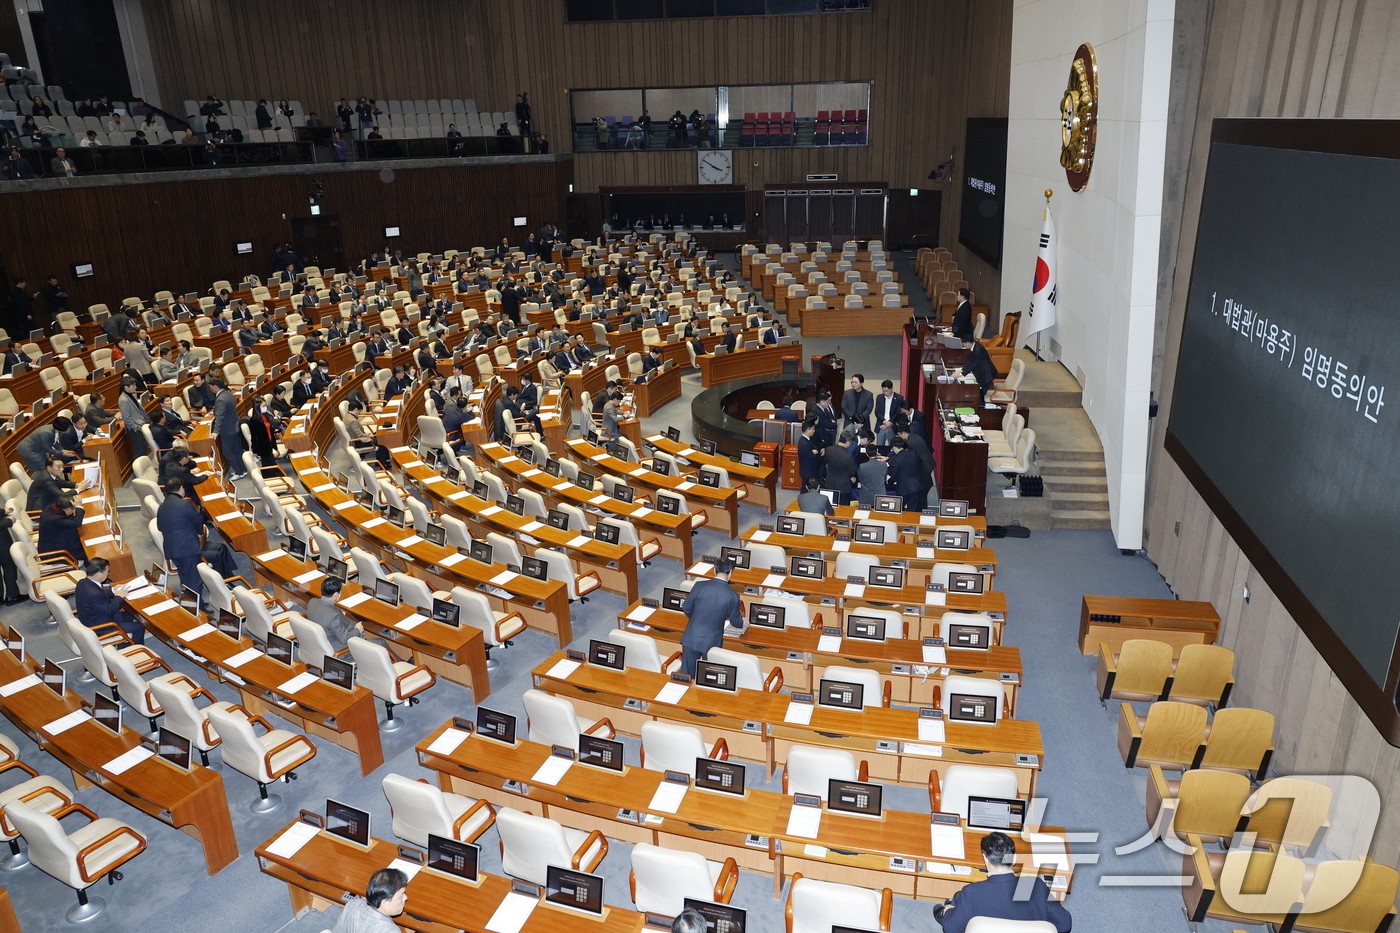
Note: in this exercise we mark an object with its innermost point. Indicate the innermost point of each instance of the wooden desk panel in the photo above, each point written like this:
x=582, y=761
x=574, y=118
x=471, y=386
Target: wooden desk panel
x=914, y=554
x=762, y=482
x=908, y=522
x=192, y=801
x=839, y=322
x=744, y=363
x=721, y=506
x=1177, y=622
x=660, y=390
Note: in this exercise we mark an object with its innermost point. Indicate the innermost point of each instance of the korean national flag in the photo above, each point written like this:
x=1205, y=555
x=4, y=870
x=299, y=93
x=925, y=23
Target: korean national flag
x=1047, y=270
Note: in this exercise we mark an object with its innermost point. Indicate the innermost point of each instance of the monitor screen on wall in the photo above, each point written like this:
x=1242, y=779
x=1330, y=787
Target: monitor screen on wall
x=1280, y=414
x=982, y=177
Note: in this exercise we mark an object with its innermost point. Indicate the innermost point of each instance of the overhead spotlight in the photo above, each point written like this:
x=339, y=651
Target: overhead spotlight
x=943, y=171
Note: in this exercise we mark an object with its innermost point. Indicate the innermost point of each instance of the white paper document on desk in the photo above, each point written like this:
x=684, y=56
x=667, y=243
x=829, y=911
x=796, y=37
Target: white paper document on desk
x=804, y=822
x=242, y=657
x=829, y=643
x=935, y=654
x=299, y=682
x=799, y=714
x=128, y=759
x=15, y=686
x=64, y=723
x=932, y=730
x=947, y=840
x=291, y=841
x=553, y=769
x=447, y=743
x=562, y=669
x=411, y=622
x=671, y=693
x=854, y=590
x=512, y=914
x=667, y=798
x=640, y=614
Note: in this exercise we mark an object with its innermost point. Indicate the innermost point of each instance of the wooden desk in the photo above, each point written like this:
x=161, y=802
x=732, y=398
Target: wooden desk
x=1177, y=622
x=346, y=717
x=721, y=506
x=192, y=801
x=796, y=651
x=761, y=481
x=751, y=722
x=842, y=321
x=856, y=850
x=917, y=555
x=908, y=522
x=8, y=923
x=325, y=869
x=743, y=363
x=457, y=654
x=659, y=390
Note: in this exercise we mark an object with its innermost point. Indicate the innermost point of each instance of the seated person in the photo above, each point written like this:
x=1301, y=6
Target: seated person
x=97, y=602
x=811, y=499
x=997, y=896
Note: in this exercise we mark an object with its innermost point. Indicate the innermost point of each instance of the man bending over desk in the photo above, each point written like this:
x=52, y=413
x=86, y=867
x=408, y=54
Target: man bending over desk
x=997, y=896
x=710, y=604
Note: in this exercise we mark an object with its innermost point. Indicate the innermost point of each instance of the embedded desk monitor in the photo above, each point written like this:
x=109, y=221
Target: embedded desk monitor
x=953, y=508
x=347, y=822
x=996, y=813
x=748, y=458
x=174, y=748
x=725, y=777
x=961, y=635
x=558, y=519
x=855, y=797
x=870, y=628
x=962, y=582
x=14, y=643
x=52, y=677
x=480, y=552
x=868, y=534
x=574, y=890
x=606, y=654
x=495, y=725
x=716, y=676
x=230, y=624
x=534, y=568
x=430, y=459
x=673, y=599
x=623, y=493
x=668, y=505
x=279, y=648
x=707, y=447
x=601, y=753
x=661, y=467
x=719, y=918
x=709, y=479
x=107, y=711
x=889, y=503
x=808, y=568
x=515, y=504
x=436, y=534
x=673, y=434
x=767, y=616
x=551, y=467
x=586, y=480
x=526, y=453
x=738, y=556
x=841, y=695
x=447, y=612
x=338, y=672
x=972, y=707
x=296, y=547
x=889, y=577
x=395, y=516
x=788, y=525
x=480, y=491
x=453, y=858
x=386, y=592
x=607, y=532
x=338, y=569
x=365, y=499
x=952, y=539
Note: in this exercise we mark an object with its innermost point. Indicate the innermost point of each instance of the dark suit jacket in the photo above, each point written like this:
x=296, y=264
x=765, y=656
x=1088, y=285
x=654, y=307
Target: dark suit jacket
x=925, y=455
x=301, y=393
x=886, y=410
x=730, y=341
x=807, y=461
x=962, y=320
x=709, y=604
x=529, y=396
x=826, y=425
x=96, y=604
x=564, y=361
x=44, y=490
x=980, y=365
x=180, y=523
x=857, y=406
x=649, y=363
x=59, y=532
x=840, y=470
x=994, y=898
x=903, y=477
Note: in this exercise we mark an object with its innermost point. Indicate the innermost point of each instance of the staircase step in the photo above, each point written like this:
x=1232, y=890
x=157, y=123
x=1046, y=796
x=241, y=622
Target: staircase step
x=1046, y=452
x=1081, y=519
x=1078, y=500
x=1076, y=484
x=1049, y=467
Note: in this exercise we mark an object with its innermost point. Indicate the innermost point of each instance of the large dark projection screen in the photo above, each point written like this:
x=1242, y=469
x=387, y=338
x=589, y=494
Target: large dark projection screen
x=1282, y=412
x=983, y=180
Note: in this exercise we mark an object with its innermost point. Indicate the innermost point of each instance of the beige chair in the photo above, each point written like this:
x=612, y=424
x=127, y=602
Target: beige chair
x=394, y=682
x=265, y=758
x=1239, y=739
x=184, y=718
x=1171, y=735
x=661, y=879
x=875, y=691
x=553, y=721
x=817, y=906
x=1139, y=672
x=809, y=768
x=1204, y=674
x=80, y=858
x=420, y=808
x=1206, y=803
x=949, y=788
x=530, y=844
x=39, y=792
x=135, y=691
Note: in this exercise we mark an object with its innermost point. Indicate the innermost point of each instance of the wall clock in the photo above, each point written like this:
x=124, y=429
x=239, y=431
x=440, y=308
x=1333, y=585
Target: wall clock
x=716, y=167
x=1079, y=113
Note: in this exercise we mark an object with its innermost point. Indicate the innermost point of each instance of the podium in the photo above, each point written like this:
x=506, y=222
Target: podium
x=830, y=373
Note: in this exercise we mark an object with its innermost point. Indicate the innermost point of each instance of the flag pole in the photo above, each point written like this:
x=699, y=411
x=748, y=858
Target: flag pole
x=1049, y=193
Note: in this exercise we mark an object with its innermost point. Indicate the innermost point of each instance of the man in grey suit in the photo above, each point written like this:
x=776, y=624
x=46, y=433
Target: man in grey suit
x=710, y=604
x=41, y=443
x=841, y=467
x=226, y=428
x=857, y=403
x=811, y=499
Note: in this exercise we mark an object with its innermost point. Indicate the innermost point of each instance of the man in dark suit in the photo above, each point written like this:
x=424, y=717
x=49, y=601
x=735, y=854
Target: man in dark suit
x=841, y=467
x=320, y=375
x=70, y=442
x=225, y=427
x=903, y=428
x=980, y=366
x=962, y=317
x=14, y=355
x=902, y=477
x=731, y=339
x=60, y=529
x=97, y=602
x=775, y=332
x=564, y=360
x=808, y=460
x=710, y=604
x=456, y=415
x=201, y=395
x=178, y=463
x=36, y=447
x=812, y=500
x=581, y=350
x=506, y=403
x=652, y=360
x=826, y=421
x=529, y=394
x=181, y=526
x=999, y=896
x=888, y=404
x=857, y=403
x=303, y=391
x=48, y=485
x=248, y=336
